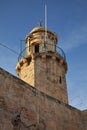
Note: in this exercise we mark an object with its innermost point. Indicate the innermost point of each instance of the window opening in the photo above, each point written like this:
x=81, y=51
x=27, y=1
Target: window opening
x=37, y=48
x=60, y=80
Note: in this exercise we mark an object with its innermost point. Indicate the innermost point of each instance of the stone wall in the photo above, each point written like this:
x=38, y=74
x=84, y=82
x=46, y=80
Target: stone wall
x=23, y=107
x=26, y=70
x=47, y=72
x=50, y=76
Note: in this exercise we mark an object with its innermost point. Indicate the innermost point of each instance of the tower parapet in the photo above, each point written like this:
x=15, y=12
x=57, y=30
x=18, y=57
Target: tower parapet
x=44, y=64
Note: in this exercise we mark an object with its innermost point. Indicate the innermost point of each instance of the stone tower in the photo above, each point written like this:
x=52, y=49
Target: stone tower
x=43, y=65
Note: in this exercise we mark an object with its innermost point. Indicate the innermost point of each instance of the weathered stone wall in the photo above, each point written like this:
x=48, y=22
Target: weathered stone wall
x=50, y=76
x=85, y=118
x=23, y=107
x=47, y=72
x=27, y=70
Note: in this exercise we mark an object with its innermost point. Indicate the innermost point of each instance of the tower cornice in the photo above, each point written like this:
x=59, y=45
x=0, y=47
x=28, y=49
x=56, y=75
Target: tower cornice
x=25, y=61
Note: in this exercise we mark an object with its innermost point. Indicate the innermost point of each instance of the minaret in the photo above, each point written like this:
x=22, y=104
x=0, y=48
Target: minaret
x=43, y=65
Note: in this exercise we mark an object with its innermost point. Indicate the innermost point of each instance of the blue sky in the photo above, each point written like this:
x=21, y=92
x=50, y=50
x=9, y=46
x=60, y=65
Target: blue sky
x=68, y=18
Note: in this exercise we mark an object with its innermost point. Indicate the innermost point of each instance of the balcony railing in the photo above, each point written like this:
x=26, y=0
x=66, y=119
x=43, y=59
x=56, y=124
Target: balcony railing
x=57, y=50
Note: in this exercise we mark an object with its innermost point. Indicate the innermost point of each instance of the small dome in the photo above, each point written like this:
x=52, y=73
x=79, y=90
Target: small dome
x=42, y=29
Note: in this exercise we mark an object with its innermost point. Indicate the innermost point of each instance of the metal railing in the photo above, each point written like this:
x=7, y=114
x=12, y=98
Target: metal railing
x=59, y=51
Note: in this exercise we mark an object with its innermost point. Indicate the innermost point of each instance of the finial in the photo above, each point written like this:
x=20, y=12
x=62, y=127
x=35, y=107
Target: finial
x=40, y=23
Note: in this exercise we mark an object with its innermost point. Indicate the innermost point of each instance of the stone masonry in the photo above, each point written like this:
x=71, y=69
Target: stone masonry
x=42, y=67
x=23, y=107
x=44, y=72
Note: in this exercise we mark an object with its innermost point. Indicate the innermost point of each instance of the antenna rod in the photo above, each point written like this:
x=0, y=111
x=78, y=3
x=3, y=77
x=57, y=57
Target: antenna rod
x=45, y=22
